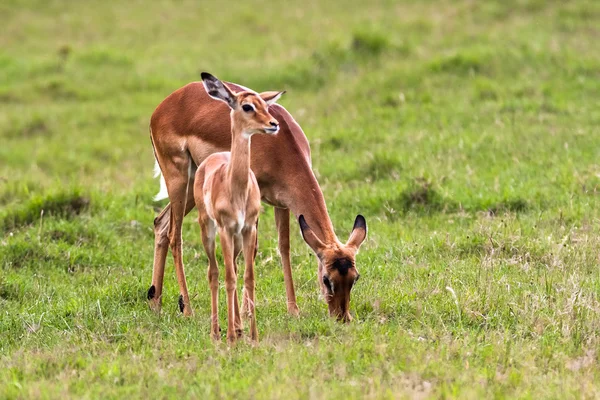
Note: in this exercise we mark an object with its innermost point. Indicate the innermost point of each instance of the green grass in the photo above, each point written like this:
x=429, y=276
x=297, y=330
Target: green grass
x=466, y=132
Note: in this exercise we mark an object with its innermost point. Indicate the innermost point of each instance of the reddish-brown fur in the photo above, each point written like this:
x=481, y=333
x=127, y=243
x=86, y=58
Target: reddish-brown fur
x=228, y=200
x=189, y=124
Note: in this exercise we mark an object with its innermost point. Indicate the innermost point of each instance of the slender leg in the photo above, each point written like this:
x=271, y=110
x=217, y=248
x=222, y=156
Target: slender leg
x=282, y=220
x=239, y=325
x=208, y=240
x=227, y=246
x=244, y=293
x=161, y=248
x=178, y=186
x=249, y=280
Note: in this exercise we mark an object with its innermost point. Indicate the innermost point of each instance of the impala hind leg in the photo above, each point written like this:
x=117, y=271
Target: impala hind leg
x=162, y=224
x=179, y=185
x=249, y=280
x=282, y=220
x=161, y=248
x=208, y=240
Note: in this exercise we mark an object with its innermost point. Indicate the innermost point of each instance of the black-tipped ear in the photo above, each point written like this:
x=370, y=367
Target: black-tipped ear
x=360, y=222
x=303, y=224
x=309, y=236
x=207, y=76
x=217, y=89
x=327, y=284
x=359, y=232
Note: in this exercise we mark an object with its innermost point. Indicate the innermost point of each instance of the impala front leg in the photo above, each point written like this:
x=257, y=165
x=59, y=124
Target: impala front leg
x=208, y=240
x=249, y=280
x=227, y=246
x=282, y=220
x=162, y=225
x=239, y=325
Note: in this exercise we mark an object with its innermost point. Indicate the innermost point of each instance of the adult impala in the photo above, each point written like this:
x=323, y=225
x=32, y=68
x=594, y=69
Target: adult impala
x=186, y=128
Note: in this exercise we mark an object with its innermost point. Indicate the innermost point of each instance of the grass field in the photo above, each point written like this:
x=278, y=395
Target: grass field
x=466, y=132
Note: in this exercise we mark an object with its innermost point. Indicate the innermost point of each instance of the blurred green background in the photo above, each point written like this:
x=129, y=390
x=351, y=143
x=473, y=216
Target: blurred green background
x=465, y=131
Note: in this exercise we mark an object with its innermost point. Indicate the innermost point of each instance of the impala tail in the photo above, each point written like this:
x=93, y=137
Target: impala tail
x=162, y=193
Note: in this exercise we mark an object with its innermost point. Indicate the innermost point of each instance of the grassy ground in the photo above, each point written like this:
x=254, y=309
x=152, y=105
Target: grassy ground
x=466, y=132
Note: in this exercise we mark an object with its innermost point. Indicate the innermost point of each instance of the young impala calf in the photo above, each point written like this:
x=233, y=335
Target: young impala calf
x=228, y=200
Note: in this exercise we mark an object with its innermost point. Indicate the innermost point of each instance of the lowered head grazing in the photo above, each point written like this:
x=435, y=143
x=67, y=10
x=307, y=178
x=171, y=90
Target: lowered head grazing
x=337, y=268
x=249, y=109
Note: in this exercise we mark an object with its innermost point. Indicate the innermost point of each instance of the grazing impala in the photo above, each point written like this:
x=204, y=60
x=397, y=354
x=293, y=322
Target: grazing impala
x=228, y=200
x=187, y=127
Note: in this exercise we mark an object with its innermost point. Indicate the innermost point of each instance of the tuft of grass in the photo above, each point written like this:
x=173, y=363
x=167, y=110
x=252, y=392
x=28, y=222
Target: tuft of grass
x=512, y=205
x=369, y=42
x=58, y=205
x=383, y=165
x=461, y=63
x=421, y=197
x=36, y=126
x=486, y=89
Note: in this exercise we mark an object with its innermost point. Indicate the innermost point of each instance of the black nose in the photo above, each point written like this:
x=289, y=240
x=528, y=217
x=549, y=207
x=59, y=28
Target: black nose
x=274, y=124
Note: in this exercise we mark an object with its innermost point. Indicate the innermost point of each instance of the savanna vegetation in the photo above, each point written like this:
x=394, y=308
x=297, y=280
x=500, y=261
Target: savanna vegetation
x=466, y=132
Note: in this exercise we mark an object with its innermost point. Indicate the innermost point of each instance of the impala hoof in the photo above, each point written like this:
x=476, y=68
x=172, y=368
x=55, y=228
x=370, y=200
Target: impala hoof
x=151, y=292
x=293, y=310
x=181, y=303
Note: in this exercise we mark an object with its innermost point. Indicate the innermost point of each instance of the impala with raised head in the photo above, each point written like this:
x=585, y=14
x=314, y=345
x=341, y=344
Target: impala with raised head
x=228, y=200
x=186, y=128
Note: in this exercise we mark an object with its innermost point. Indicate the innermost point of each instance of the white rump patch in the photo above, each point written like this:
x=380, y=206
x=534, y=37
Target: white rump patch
x=162, y=193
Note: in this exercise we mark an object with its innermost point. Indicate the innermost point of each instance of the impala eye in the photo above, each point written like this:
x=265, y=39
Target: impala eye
x=247, y=108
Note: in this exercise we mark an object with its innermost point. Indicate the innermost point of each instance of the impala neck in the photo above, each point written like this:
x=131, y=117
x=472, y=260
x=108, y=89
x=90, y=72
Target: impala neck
x=239, y=165
x=308, y=200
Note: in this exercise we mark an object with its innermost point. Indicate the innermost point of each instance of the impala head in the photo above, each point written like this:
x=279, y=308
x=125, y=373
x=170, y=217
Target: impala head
x=249, y=110
x=337, y=269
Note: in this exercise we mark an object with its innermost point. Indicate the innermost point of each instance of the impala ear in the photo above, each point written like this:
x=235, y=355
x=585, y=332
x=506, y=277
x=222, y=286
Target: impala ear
x=218, y=90
x=271, y=97
x=310, y=238
x=359, y=233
